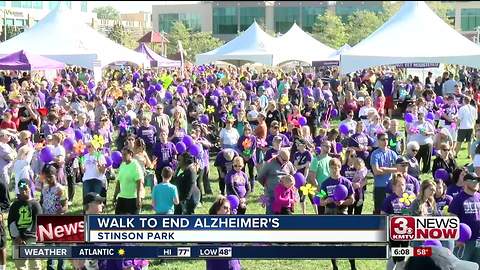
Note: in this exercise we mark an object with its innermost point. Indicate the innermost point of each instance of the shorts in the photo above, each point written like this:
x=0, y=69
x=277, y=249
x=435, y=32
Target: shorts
x=126, y=207
x=389, y=102
x=464, y=135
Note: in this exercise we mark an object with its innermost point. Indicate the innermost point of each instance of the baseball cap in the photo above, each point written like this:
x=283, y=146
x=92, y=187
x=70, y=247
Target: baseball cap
x=471, y=177
x=401, y=160
x=93, y=197
x=445, y=259
x=22, y=184
x=361, y=99
x=4, y=132
x=275, y=123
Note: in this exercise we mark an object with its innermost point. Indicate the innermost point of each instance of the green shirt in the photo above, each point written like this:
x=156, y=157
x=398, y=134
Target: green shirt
x=128, y=175
x=320, y=166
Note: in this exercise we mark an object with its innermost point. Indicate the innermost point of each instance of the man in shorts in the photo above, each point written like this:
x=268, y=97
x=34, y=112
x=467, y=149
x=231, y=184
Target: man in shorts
x=467, y=115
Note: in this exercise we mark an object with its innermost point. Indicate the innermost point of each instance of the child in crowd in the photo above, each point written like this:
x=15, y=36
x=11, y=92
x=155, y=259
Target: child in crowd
x=237, y=184
x=165, y=195
x=22, y=169
x=359, y=184
x=285, y=196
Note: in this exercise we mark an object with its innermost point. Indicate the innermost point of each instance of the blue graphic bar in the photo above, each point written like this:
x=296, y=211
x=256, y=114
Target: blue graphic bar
x=248, y=222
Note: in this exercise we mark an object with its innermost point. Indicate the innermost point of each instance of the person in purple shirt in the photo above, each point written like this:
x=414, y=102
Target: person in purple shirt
x=411, y=183
x=333, y=207
x=360, y=142
x=224, y=164
x=348, y=168
x=442, y=199
x=466, y=205
x=50, y=127
x=388, y=82
x=198, y=132
x=247, y=146
x=457, y=182
x=237, y=184
x=275, y=131
x=177, y=132
x=148, y=133
x=165, y=154
x=273, y=151
x=222, y=207
x=302, y=158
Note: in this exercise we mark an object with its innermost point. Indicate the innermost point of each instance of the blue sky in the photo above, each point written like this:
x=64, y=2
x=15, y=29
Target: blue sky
x=135, y=6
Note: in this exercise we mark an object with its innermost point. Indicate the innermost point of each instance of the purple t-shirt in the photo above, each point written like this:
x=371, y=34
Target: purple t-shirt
x=392, y=205
x=285, y=141
x=330, y=184
x=237, y=183
x=302, y=158
x=147, y=134
x=467, y=208
x=165, y=154
x=270, y=153
x=348, y=172
x=387, y=83
x=357, y=140
x=453, y=190
x=443, y=201
x=232, y=264
x=449, y=110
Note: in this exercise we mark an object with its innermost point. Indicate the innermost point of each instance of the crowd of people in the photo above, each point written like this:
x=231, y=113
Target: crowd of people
x=159, y=133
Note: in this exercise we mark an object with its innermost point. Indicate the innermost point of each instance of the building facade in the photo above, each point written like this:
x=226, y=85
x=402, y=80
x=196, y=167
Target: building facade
x=226, y=18
x=25, y=14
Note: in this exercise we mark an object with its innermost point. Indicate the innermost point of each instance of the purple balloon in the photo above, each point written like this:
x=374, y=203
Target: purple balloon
x=234, y=201
x=195, y=150
x=340, y=193
x=181, y=89
x=439, y=100
x=68, y=144
x=316, y=200
x=302, y=121
x=187, y=140
x=430, y=116
x=152, y=101
x=216, y=93
x=78, y=135
x=343, y=129
x=116, y=157
x=299, y=179
x=432, y=243
x=339, y=147
x=334, y=113
x=465, y=233
x=151, y=88
x=158, y=87
x=91, y=84
x=108, y=161
x=204, y=119
x=408, y=117
x=46, y=155
x=181, y=147
x=266, y=84
x=116, y=165
x=228, y=89
x=442, y=174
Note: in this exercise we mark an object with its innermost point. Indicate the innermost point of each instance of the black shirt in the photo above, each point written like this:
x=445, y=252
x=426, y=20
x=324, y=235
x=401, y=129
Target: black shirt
x=24, y=215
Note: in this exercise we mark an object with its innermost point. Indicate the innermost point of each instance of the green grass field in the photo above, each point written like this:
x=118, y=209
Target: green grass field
x=254, y=207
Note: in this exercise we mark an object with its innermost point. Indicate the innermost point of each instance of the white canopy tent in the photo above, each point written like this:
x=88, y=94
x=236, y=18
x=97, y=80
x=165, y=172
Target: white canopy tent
x=253, y=45
x=63, y=36
x=300, y=46
x=414, y=34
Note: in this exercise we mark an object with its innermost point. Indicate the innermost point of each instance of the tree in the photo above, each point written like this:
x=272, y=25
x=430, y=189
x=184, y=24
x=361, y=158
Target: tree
x=361, y=24
x=117, y=33
x=440, y=8
x=192, y=43
x=107, y=13
x=330, y=30
x=12, y=31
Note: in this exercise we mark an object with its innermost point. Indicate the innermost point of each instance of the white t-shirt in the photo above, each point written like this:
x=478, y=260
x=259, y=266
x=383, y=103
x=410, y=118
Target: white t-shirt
x=364, y=111
x=476, y=161
x=91, y=170
x=58, y=151
x=467, y=115
x=22, y=170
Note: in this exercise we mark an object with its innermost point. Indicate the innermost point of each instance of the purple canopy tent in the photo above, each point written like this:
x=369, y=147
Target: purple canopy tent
x=155, y=59
x=23, y=60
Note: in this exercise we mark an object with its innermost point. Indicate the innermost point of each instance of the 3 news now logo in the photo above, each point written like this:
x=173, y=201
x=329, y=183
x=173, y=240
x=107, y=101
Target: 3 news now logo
x=405, y=228
x=60, y=229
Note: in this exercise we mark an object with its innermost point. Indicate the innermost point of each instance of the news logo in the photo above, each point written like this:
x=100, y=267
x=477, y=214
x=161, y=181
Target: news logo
x=60, y=229
x=405, y=228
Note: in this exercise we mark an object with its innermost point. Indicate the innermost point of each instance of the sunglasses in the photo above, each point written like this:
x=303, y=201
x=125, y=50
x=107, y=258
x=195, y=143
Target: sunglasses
x=225, y=207
x=446, y=149
x=383, y=139
x=237, y=166
x=414, y=150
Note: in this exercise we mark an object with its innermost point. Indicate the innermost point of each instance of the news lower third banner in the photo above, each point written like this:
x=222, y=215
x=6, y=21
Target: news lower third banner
x=206, y=252
x=236, y=229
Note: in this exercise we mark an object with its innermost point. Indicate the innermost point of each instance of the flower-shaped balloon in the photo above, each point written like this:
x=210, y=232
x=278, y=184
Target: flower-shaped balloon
x=2, y=89
x=284, y=100
x=282, y=128
x=407, y=199
x=308, y=189
x=229, y=108
x=322, y=194
x=98, y=141
x=14, y=94
x=262, y=143
x=315, y=105
x=414, y=130
x=445, y=211
x=263, y=200
x=247, y=143
x=392, y=143
x=210, y=109
x=79, y=148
